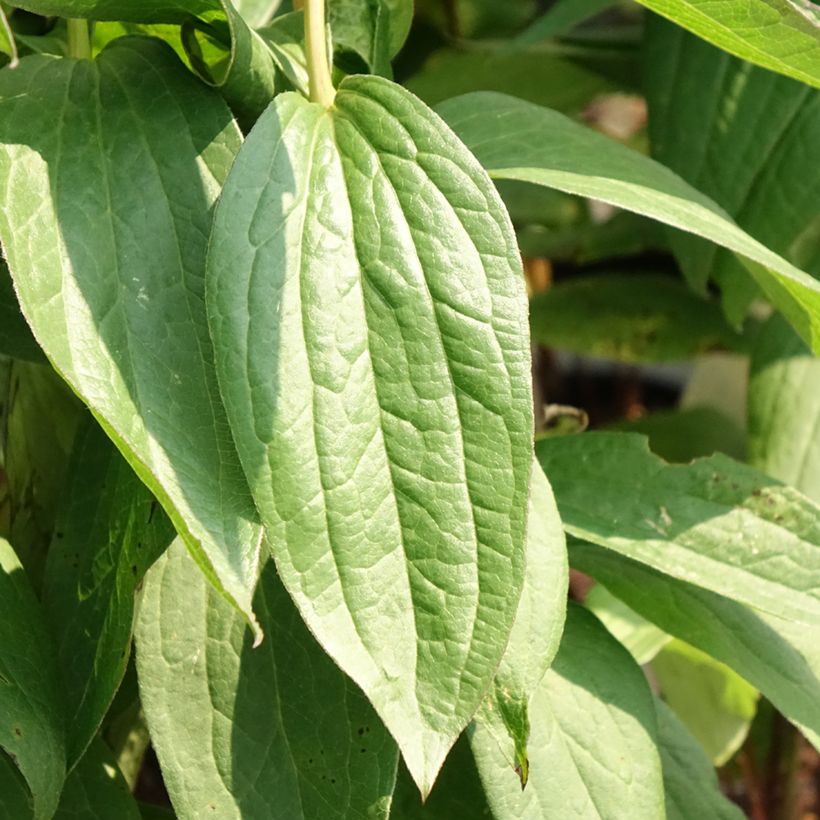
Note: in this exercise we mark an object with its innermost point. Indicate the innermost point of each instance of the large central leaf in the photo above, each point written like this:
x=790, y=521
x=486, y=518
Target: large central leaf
x=368, y=313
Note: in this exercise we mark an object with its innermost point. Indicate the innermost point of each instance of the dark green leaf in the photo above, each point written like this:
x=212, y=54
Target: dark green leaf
x=275, y=732
x=109, y=532
x=716, y=523
x=368, y=313
x=31, y=714
x=15, y=336
x=114, y=290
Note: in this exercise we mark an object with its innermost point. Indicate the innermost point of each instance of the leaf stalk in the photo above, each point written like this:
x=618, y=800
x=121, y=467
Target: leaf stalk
x=79, y=40
x=321, y=84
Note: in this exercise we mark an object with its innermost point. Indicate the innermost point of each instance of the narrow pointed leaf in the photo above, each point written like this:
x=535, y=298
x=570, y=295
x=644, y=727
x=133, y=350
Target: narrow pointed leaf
x=778, y=657
x=715, y=523
x=109, y=532
x=109, y=272
x=31, y=715
x=781, y=35
x=517, y=140
x=366, y=303
x=275, y=732
x=593, y=744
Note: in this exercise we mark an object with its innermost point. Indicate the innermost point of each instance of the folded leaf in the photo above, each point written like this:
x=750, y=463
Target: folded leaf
x=109, y=531
x=778, y=657
x=367, y=307
x=781, y=35
x=109, y=273
x=275, y=732
x=32, y=731
x=593, y=743
x=537, y=631
x=715, y=523
x=516, y=140
x=690, y=782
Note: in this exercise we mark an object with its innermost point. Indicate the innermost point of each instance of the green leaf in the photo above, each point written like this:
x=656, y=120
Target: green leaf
x=31, y=714
x=593, y=742
x=778, y=657
x=276, y=732
x=690, y=782
x=715, y=523
x=109, y=532
x=15, y=335
x=376, y=373
x=781, y=35
x=257, y=13
x=542, y=76
x=561, y=18
x=784, y=409
x=135, y=11
x=15, y=800
x=739, y=134
x=715, y=703
x=536, y=634
x=517, y=140
x=109, y=273
x=629, y=318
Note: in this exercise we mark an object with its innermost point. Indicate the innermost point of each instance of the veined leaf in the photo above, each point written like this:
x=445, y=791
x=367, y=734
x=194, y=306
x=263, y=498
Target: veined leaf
x=109, y=532
x=276, y=732
x=516, y=140
x=715, y=523
x=110, y=274
x=781, y=35
x=536, y=634
x=367, y=307
x=593, y=743
x=31, y=714
x=778, y=657
x=689, y=780
x=740, y=135
x=784, y=409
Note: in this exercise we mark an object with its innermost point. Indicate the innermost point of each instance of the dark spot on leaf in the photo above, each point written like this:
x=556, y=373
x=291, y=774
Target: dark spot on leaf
x=18, y=731
x=134, y=569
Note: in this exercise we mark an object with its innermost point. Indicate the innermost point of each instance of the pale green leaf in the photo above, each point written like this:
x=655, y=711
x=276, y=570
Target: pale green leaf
x=784, y=409
x=368, y=313
x=593, y=742
x=536, y=633
x=110, y=273
x=779, y=658
x=257, y=13
x=742, y=136
x=714, y=703
x=715, y=523
x=691, y=785
x=629, y=318
x=109, y=531
x=517, y=140
x=276, y=732
x=31, y=714
x=781, y=35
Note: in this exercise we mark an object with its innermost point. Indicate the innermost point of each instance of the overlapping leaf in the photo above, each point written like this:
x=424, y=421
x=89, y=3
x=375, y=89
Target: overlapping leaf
x=517, y=140
x=276, y=732
x=367, y=308
x=110, y=273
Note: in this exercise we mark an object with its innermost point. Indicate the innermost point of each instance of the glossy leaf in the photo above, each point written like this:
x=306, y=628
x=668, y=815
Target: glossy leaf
x=593, y=742
x=784, y=409
x=109, y=273
x=629, y=318
x=31, y=714
x=716, y=523
x=781, y=35
x=109, y=532
x=376, y=372
x=742, y=136
x=778, y=657
x=536, y=634
x=690, y=782
x=276, y=732
x=516, y=140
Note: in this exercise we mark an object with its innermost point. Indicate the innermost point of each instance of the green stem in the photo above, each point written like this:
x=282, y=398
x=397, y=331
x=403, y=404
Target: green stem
x=79, y=40
x=6, y=26
x=321, y=85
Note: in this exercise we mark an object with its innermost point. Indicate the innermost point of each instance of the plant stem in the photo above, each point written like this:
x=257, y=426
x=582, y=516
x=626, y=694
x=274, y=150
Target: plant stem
x=79, y=40
x=321, y=85
x=4, y=23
